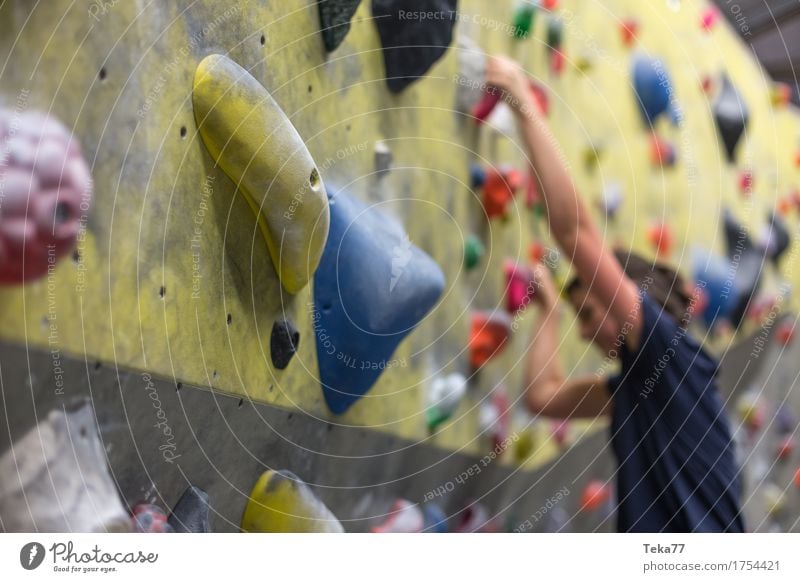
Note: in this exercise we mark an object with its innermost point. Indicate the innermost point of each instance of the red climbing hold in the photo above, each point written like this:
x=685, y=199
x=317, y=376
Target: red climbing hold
x=404, y=517
x=662, y=153
x=520, y=285
x=746, y=182
x=660, y=237
x=785, y=448
x=797, y=479
x=707, y=83
x=489, y=332
x=499, y=189
x=557, y=61
x=709, y=18
x=629, y=29
x=549, y=4
x=484, y=107
x=595, y=495
x=785, y=333
x=536, y=251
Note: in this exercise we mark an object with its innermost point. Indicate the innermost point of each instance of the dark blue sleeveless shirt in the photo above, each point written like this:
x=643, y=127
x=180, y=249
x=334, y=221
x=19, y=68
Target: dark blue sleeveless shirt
x=677, y=471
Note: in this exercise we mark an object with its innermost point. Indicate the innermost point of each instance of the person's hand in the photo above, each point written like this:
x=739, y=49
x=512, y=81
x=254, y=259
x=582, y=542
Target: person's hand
x=546, y=293
x=505, y=74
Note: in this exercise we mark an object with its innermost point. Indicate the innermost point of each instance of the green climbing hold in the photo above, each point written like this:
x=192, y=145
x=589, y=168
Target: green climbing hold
x=522, y=21
x=473, y=252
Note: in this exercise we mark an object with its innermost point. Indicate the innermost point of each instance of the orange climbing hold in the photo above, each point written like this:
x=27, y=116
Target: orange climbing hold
x=489, y=332
x=660, y=237
x=499, y=188
x=629, y=29
x=536, y=251
x=662, y=153
x=707, y=83
x=785, y=333
x=595, y=495
x=781, y=95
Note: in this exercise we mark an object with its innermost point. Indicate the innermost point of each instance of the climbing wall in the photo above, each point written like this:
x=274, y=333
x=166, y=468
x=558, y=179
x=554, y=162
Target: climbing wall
x=172, y=277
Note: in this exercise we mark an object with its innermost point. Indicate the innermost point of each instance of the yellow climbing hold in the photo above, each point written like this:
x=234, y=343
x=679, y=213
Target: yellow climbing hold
x=255, y=144
x=281, y=503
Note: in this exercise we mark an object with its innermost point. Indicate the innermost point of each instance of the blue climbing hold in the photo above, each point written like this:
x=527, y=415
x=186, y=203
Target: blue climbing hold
x=435, y=519
x=653, y=87
x=372, y=288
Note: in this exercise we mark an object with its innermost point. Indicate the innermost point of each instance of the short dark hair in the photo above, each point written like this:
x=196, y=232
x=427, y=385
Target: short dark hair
x=661, y=282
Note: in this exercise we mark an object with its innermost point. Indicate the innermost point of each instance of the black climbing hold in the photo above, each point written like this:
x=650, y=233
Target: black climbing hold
x=190, y=514
x=778, y=238
x=334, y=20
x=747, y=260
x=283, y=344
x=731, y=116
x=412, y=45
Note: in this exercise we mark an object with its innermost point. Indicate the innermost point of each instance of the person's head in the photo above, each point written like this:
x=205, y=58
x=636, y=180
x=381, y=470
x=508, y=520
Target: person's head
x=663, y=284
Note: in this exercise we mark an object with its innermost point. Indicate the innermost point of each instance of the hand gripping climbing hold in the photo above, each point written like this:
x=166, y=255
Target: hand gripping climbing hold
x=334, y=20
x=652, y=87
x=281, y=503
x=444, y=396
x=56, y=479
x=520, y=286
x=191, y=513
x=283, y=343
x=412, y=45
x=404, y=517
x=731, y=116
x=45, y=190
x=372, y=288
x=256, y=145
x=489, y=333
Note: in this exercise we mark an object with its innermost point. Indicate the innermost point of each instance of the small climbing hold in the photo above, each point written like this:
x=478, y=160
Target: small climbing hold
x=662, y=152
x=499, y=189
x=191, y=513
x=281, y=502
x=410, y=49
x=383, y=157
x=560, y=432
x=477, y=176
x=785, y=420
x=595, y=495
x=785, y=448
x=334, y=20
x=473, y=252
x=283, y=343
x=255, y=144
x=524, y=445
x=660, y=237
x=536, y=252
x=494, y=419
x=745, y=269
x=523, y=18
x=706, y=84
x=372, y=288
x=652, y=86
x=520, y=285
x=629, y=30
x=731, y=116
x=785, y=333
x=444, y=397
x=774, y=499
x=45, y=190
x=784, y=205
x=584, y=61
x=555, y=41
x=746, y=182
x=751, y=411
x=404, y=517
x=549, y=4
x=149, y=518
x=591, y=156
x=489, y=332
x=781, y=94
x=435, y=518
x=709, y=18
x=797, y=479
x=611, y=199
x=775, y=238
x=557, y=61
x=475, y=518
x=558, y=520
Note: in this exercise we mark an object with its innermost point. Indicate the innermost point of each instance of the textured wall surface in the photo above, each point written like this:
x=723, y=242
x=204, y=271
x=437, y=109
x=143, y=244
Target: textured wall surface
x=173, y=277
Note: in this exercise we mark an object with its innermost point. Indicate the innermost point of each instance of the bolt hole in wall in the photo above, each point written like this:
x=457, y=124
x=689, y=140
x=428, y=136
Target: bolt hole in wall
x=178, y=386
x=183, y=132
x=241, y=403
x=229, y=319
x=313, y=179
x=162, y=291
x=102, y=74
x=263, y=40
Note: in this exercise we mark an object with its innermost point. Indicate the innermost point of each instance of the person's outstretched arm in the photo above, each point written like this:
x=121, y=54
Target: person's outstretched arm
x=547, y=391
x=570, y=222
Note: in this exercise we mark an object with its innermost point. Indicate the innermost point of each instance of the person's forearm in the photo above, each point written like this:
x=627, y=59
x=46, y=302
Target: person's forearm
x=543, y=373
x=566, y=212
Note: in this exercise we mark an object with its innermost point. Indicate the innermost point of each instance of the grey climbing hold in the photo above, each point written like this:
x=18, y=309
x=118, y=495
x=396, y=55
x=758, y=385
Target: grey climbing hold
x=334, y=21
x=283, y=343
x=190, y=514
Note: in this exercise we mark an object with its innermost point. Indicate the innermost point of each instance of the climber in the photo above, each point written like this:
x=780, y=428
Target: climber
x=677, y=471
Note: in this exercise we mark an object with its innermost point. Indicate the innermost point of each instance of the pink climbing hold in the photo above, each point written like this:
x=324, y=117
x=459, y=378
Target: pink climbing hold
x=785, y=448
x=404, y=517
x=520, y=286
x=557, y=61
x=595, y=495
x=785, y=333
x=709, y=18
x=746, y=182
x=560, y=428
x=46, y=193
x=495, y=420
x=476, y=518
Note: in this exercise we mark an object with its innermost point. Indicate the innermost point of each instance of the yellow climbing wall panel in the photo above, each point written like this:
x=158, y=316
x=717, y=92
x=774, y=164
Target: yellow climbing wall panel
x=173, y=276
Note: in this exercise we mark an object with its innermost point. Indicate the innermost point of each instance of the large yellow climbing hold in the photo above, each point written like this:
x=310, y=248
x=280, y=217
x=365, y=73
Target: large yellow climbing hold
x=255, y=144
x=281, y=503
